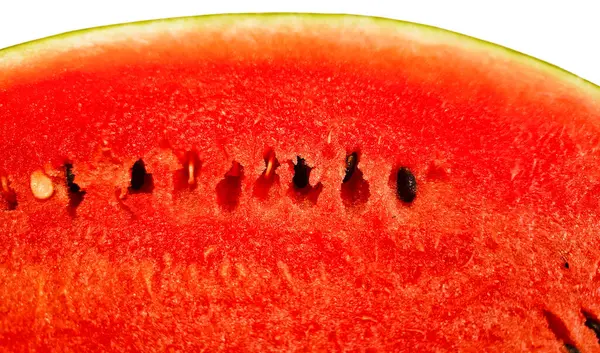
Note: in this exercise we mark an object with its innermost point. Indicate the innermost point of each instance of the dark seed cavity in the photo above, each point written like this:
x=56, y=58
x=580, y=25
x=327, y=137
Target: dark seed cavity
x=406, y=185
x=138, y=175
x=301, y=191
x=141, y=180
x=11, y=200
x=592, y=323
x=271, y=164
x=229, y=189
x=355, y=189
x=301, y=174
x=269, y=176
x=9, y=196
x=560, y=331
x=191, y=164
x=73, y=187
x=351, y=163
x=571, y=348
x=75, y=192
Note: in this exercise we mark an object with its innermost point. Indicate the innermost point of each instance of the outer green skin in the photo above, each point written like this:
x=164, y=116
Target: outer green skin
x=428, y=32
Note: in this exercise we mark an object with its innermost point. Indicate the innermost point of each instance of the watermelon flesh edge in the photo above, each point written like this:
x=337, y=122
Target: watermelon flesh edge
x=498, y=251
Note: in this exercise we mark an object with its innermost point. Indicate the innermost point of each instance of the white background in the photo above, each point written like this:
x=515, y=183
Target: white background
x=565, y=33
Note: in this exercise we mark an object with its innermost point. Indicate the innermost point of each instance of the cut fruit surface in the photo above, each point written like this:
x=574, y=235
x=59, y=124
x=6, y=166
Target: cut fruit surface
x=295, y=183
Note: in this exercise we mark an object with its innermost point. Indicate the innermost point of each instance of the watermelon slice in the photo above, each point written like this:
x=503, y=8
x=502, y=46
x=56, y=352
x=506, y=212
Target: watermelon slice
x=295, y=183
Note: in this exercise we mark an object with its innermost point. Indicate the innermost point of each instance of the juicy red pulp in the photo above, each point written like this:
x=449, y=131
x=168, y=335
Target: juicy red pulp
x=228, y=257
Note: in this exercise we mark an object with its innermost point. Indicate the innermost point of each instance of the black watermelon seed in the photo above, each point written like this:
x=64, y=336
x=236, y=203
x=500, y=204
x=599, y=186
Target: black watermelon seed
x=138, y=174
x=301, y=174
x=351, y=163
x=406, y=185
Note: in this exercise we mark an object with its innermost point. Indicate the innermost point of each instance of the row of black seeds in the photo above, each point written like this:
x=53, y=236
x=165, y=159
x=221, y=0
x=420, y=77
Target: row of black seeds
x=406, y=184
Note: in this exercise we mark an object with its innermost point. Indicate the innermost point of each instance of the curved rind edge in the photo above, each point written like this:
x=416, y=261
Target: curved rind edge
x=427, y=31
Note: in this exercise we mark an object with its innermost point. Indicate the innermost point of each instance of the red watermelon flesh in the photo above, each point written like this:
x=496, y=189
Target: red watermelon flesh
x=498, y=252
